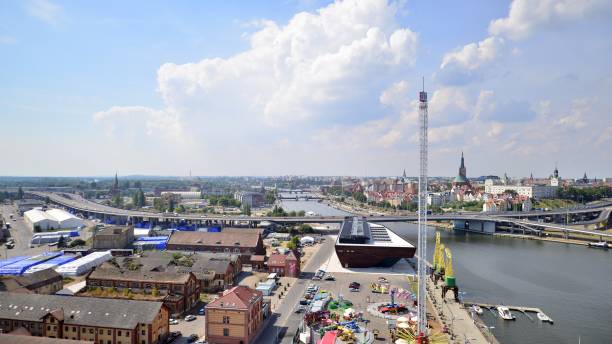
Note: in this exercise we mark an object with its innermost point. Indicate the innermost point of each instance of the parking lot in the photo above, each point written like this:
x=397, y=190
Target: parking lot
x=187, y=328
x=362, y=298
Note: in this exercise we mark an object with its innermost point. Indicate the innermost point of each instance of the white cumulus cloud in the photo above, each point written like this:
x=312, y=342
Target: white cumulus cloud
x=526, y=16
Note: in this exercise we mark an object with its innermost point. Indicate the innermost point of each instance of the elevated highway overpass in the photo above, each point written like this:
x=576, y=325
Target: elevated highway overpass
x=481, y=222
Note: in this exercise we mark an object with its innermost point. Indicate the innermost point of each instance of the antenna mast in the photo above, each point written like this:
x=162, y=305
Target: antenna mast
x=422, y=240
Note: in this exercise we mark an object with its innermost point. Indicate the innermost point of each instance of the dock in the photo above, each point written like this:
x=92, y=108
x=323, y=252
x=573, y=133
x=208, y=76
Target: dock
x=521, y=309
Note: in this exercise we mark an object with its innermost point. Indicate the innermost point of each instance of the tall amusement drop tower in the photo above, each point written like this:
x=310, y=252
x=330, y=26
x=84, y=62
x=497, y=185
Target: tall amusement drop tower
x=422, y=240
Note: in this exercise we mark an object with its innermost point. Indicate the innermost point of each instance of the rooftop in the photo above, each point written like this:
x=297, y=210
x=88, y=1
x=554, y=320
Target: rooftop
x=239, y=297
x=28, y=339
x=108, y=273
x=221, y=239
x=87, y=311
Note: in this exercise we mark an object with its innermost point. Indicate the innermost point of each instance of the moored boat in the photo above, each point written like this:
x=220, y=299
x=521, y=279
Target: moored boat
x=477, y=309
x=601, y=244
x=504, y=313
x=544, y=318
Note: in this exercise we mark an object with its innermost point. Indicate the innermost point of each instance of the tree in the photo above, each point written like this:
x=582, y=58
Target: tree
x=306, y=228
x=117, y=201
x=301, y=213
x=20, y=193
x=61, y=242
x=246, y=209
x=270, y=197
x=180, y=208
x=359, y=197
x=77, y=242
x=171, y=204
x=126, y=184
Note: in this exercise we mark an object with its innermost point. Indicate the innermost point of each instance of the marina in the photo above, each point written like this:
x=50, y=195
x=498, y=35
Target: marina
x=551, y=276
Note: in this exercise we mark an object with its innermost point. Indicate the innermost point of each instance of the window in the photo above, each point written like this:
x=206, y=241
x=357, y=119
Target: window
x=142, y=332
x=109, y=342
x=48, y=328
x=91, y=330
x=119, y=333
x=127, y=334
x=83, y=330
x=73, y=329
x=66, y=328
x=226, y=319
x=101, y=341
x=101, y=331
x=226, y=332
x=108, y=332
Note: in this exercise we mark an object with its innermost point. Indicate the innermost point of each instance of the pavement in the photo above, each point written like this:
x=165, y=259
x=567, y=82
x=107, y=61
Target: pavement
x=22, y=233
x=463, y=327
x=284, y=321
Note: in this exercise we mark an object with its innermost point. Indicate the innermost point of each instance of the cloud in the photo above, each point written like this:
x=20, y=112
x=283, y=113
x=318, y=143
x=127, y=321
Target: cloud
x=488, y=108
x=121, y=120
x=466, y=64
x=7, y=39
x=44, y=10
x=605, y=136
x=526, y=16
x=449, y=105
x=320, y=65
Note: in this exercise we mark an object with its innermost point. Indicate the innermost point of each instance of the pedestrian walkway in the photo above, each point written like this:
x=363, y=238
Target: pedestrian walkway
x=462, y=328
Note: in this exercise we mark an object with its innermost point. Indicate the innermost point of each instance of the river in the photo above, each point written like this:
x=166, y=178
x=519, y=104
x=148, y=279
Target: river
x=570, y=283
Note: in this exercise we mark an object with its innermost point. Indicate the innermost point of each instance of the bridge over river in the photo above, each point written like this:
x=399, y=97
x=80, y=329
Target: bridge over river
x=535, y=221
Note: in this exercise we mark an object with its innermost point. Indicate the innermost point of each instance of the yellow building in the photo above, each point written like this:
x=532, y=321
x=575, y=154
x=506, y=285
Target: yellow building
x=235, y=317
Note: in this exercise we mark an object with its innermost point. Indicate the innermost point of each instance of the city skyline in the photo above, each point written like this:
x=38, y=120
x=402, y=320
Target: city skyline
x=304, y=88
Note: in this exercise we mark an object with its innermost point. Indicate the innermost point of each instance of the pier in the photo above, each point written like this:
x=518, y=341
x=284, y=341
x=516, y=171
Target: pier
x=521, y=309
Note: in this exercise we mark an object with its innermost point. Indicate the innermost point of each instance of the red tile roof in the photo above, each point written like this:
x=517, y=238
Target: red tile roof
x=239, y=297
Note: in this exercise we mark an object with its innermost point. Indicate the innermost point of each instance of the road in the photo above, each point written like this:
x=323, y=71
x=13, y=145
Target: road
x=285, y=322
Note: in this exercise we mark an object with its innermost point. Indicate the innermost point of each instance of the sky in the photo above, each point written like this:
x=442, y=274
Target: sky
x=304, y=87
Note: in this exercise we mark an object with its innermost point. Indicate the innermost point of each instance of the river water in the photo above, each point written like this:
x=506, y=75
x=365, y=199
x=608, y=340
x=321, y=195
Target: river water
x=570, y=283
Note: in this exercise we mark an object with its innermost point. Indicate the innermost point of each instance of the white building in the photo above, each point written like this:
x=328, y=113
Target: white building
x=531, y=191
x=184, y=194
x=52, y=219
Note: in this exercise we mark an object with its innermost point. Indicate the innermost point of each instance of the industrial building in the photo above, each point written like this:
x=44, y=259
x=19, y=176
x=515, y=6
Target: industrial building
x=85, y=318
x=52, y=219
x=113, y=237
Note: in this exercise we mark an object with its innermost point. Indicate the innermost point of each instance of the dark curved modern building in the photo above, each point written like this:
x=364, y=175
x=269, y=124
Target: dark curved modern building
x=362, y=245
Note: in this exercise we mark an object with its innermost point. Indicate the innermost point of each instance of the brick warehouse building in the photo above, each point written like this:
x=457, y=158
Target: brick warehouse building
x=245, y=243
x=105, y=321
x=179, y=291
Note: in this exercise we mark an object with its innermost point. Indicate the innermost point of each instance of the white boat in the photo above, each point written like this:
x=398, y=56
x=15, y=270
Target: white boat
x=601, y=244
x=544, y=318
x=477, y=309
x=504, y=313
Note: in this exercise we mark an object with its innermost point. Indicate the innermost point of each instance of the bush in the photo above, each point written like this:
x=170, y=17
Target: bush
x=77, y=242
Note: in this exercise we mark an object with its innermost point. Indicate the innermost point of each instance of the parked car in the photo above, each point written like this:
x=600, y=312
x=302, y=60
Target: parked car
x=192, y=338
x=304, y=302
x=10, y=244
x=330, y=277
x=355, y=285
x=175, y=334
x=201, y=311
x=173, y=321
x=190, y=318
x=300, y=309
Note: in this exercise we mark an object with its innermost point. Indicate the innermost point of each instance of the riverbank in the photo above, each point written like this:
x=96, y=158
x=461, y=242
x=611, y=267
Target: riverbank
x=549, y=239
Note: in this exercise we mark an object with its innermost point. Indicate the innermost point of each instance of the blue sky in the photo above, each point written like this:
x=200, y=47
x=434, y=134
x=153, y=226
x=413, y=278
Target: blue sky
x=304, y=87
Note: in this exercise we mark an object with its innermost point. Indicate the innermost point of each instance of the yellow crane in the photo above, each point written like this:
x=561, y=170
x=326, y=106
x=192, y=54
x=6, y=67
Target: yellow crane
x=449, y=276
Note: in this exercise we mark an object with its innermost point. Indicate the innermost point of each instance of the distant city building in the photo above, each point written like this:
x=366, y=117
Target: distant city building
x=250, y=198
x=531, y=191
x=184, y=195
